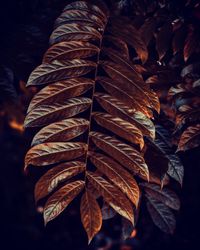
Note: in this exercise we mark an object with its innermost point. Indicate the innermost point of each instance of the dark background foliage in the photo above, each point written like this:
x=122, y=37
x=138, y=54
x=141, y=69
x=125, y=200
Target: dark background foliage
x=25, y=29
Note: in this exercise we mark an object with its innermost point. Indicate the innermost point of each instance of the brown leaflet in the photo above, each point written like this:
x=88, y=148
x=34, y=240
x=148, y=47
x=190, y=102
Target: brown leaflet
x=163, y=39
x=161, y=215
x=116, y=108
x=147, y=30
x=164, y=195
x=46, y=114
x=119, y=90
x=55, y=176
x=91, y=216
x=130, y=35
x=112, y=195
x=191, y=43
x=54, y=152
x=124, y=75
x=58, y=71
x=190, y=138
x=70, y=50
x=121, y=152
x=76, y=32
x=178, y=39
x=117, y=57
x=116, y=174
x=61, y=131
x=155, y=103
x=100, y=11
x=79, y=17
x=118, y=44
x=61, y=199
x=120, y=127
x=60, y=91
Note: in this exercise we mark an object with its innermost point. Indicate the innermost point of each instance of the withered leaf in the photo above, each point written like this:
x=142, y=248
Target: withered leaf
x=60, y=91
x=116, y=174
x=70, y=50
x=101, y=11
x=130, y=35
x=61, y=199
x=120, y=127
x=80, y=17
x=129, y=157
x=91, y=216
x=190, y=138
x=53, y=177
x=163, y=39
x=113, y=196
x=191, y=43
x=126, y=95
x=147, y=30
x=117, y=108
x=46, y=114
x=59, y=71
x=61, y=131
x=74, y=31
x=54, y=152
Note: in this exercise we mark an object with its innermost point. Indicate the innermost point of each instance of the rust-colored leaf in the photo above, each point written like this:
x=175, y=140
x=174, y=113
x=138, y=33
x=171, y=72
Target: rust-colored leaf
x=100, y=11
x=191, y=43
x=70, y=50
x=121, y=152
x=147, y=30
x=119, y=45
x=46, y=114
x=85, y=17
x=59, y=71
x=124, y=75
x=55, y=176
x=62, y=131
x=113, y=196
x=116, y=174
x=130, y=35
x=54, y=152
x=74, y=31
x=60, y=91
x=117, y=108
x=190, y=138
x=120, y=127
x=163, y=39
x=61, y=199
x=91, y=216
x=119, y=91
